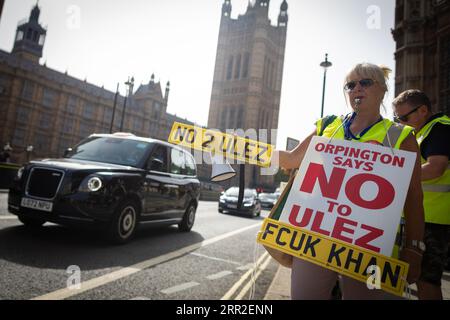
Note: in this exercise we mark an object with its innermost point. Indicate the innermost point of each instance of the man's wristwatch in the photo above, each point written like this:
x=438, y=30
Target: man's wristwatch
x=417, y=245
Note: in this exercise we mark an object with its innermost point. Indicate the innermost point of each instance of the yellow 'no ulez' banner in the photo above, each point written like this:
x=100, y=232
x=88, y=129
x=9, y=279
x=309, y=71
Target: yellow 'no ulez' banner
x=230, y=146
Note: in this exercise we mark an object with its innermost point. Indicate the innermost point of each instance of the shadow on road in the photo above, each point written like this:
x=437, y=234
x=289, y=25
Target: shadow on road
x=240, y=215
x=57, y=247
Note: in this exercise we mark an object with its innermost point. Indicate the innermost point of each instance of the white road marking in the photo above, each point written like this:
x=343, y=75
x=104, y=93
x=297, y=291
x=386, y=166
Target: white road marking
x=219, y=275
x=214, y=258
x=141, y=298
x=8, y=217
x=180, y=287
x=127, y=271
x=246, y=267
x=252, y=280
x=236, y=286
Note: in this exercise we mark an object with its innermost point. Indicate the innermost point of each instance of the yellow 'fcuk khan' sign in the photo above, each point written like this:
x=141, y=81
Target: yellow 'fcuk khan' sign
x=231, y=146
x=333, y=254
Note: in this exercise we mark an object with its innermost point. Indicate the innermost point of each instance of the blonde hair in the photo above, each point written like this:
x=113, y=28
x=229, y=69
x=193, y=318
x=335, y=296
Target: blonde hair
x=369, y=70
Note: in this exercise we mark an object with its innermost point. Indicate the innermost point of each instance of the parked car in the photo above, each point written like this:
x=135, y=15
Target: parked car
x=115, y=181
x=251, y=205
x=268, y=200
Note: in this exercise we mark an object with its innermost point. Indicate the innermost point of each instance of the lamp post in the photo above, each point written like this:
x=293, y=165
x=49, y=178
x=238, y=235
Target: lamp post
x=114, y=109
x=29, y=150
x=130, y=85
x=325, y=65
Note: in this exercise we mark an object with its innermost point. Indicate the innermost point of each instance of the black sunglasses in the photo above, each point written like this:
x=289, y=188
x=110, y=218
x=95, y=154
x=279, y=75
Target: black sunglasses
x=404, y=118
x=365, y=83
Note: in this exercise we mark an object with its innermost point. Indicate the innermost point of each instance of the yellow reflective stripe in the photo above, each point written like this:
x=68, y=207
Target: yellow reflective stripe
x=436, y=187
x=392, y=136
x=423, y=133
x=397, y=133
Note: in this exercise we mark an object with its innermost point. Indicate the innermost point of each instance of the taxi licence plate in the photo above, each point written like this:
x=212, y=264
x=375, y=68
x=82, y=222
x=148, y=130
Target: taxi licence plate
x=37, y=204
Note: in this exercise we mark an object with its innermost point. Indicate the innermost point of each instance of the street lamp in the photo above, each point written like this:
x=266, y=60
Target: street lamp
x=325, y=65
x=29, y=150
x=114, y=109
x=130, y=85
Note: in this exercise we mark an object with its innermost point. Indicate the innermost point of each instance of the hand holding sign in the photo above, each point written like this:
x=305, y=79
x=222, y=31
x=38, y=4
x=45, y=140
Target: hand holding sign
x=347, y=197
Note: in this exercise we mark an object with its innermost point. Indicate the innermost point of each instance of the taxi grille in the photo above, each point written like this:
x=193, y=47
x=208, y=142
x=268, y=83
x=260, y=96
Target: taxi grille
x=44, y=183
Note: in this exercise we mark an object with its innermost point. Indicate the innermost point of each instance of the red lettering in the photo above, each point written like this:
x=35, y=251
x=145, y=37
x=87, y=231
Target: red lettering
x=384, y=198
x=358, y=163
x=368, y=166
x=329, y=188
x=317, y=222
x=339, y=227
x=294, y=215
x=348, y=163
x=329, y=148
x=399, y=162
x=339, y=149
x=337, y=161
x=373, y=234
x=320, y=147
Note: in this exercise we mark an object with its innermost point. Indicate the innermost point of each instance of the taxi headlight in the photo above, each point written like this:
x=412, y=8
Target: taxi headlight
x=94, y=184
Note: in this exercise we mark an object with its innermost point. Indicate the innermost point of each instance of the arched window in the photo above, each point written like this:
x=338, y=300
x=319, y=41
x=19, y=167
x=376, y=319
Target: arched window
x=274, y=76
x=246, y=63
x=224, y=118
x=271, y=70
x=232, y=118
x=237, y=70
x=261, y=119
x=29, y=33
x=265, y=71
x=230, y=68
x=240, y=117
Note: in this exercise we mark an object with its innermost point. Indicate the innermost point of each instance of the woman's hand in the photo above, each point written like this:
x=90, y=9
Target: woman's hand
x=282, y=258
x=414, y=259
x=414, y=214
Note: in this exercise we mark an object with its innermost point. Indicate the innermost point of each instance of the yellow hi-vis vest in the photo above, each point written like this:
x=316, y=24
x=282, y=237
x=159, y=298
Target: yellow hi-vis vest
x=436, y=192
x=385, y=132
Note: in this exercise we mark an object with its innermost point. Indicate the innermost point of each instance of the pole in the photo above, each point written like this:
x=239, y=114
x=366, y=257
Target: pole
x=241, y=185
x=130, y=85
x=325, y=65
x=114, y=108
x=323, y=91
x=123, y=113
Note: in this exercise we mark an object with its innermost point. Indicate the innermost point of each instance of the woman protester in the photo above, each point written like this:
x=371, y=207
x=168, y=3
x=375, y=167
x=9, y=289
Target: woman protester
x=365, y=88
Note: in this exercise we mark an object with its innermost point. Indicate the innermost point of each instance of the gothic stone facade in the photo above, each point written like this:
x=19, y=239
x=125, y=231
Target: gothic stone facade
x=248, y=75
x=52, y=111
x=422, y=35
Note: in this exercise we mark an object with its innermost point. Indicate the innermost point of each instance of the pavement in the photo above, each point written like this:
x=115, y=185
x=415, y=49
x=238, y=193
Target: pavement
x=280, y=289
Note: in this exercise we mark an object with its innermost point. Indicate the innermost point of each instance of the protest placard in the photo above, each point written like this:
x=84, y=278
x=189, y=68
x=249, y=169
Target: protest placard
x=350, y=195
x=214, y=141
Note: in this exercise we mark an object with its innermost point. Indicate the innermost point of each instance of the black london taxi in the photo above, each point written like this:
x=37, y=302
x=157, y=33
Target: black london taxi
x=114, y=181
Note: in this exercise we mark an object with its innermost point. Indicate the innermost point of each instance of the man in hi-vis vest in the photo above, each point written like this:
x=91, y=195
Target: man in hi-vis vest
x=413, y=108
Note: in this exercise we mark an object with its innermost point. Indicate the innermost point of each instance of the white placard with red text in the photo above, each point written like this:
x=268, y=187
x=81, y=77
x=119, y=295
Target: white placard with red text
x=354, y=192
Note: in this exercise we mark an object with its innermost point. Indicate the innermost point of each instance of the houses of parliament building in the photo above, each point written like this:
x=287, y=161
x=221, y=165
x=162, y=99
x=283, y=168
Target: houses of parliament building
x=52, y=111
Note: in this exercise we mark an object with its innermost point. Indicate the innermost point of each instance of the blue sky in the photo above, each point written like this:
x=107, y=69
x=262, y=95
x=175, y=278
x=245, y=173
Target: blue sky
x=106, y=41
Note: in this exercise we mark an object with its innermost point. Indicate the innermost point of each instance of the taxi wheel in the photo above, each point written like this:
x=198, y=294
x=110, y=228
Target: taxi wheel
x=123, y=226
x=188, y=219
